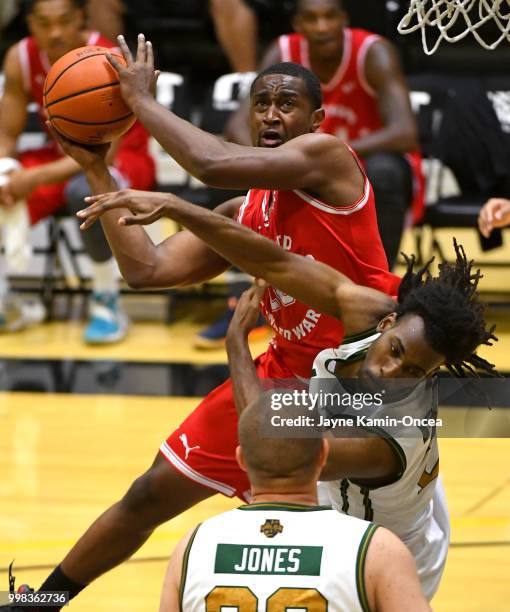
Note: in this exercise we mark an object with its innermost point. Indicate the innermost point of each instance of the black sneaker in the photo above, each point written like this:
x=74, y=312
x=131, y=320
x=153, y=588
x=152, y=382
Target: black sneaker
x=24, y=588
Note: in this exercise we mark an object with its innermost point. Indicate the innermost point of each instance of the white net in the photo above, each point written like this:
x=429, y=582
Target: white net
x=455, y=19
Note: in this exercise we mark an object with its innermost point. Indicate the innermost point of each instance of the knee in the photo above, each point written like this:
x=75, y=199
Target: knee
x=142, y=494
x=75, y=191
x=388, y=172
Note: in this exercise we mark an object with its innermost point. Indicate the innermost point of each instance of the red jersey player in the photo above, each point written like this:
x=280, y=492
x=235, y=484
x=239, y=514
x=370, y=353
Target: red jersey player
x=44, y=178
x=308, y=192
x=366, y=102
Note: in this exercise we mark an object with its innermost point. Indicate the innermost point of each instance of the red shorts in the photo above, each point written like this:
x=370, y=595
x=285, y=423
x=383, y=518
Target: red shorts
x=46, y=199
x=138, y=169
x=203, y=447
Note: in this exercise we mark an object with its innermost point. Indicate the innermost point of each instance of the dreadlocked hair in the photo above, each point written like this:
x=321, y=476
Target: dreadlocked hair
x=453, y=314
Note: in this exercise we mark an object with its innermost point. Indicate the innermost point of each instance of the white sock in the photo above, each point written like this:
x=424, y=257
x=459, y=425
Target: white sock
x=105, y=277
x=4, y=283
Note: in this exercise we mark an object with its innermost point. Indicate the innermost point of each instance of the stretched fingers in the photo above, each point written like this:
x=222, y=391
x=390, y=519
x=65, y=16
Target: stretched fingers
x=128, y=56
x=90, y=214
x=145, y=219
x=141, y=51
x=150, y=56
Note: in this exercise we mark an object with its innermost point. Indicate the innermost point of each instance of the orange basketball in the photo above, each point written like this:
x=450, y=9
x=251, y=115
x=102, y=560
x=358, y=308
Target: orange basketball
x=82, y=97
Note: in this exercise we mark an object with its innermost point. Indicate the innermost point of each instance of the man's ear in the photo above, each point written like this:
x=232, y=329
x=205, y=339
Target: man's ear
x=388, y=322
x=318, y=118
x=240, y=458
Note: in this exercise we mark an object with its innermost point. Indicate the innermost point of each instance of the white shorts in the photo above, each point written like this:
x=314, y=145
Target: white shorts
x=429, y=546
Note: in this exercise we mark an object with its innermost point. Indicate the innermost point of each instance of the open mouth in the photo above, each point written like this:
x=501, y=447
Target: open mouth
x=270, y=138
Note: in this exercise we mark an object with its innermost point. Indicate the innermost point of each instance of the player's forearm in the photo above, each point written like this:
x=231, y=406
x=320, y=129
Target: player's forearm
x=306, y=280
x=245, y=382
x=131, y=246
x=7, y=145
x=396, y=139
x=192, y=148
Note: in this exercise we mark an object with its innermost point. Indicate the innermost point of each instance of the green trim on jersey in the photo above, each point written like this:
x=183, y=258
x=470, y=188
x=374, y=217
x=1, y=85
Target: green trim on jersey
x=360, y=567
x=360, y=336
x=283, y=506
x=184, y=570
x=399, y=452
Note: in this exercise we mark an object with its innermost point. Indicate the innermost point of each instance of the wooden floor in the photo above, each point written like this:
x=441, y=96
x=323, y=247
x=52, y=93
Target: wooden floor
x=64, y=459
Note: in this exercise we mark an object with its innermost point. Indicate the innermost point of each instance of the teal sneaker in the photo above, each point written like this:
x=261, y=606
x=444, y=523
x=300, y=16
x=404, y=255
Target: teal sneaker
x=107, y=322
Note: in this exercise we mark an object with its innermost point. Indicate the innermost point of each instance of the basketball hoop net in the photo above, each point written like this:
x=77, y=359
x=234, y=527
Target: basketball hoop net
x=468, y=16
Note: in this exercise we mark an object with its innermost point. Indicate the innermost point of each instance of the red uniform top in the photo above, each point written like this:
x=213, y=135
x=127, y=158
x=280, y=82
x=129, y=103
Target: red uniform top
x=133, y=147
x=350, y=103
x=344, y=237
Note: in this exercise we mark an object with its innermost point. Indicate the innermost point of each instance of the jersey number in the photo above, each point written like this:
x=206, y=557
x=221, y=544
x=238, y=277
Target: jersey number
x=281, y=600
x=279, y=299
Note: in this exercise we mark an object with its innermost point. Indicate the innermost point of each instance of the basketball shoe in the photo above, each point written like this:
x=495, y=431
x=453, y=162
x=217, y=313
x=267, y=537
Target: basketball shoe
x=17, y=314
x=107, y=322
x=213, y=337
x=24, y=588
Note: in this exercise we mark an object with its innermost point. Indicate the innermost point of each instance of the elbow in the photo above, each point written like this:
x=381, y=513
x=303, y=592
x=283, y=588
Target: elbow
x=210, y=171
x=139, y=280
x=136, y=283
x=409, y=138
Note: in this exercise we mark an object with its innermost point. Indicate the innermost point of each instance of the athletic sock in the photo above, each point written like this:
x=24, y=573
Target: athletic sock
x=4, y=283
x=58, y=581
x=105, y=277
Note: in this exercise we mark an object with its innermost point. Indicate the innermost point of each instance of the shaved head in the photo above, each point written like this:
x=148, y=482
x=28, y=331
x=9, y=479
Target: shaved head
x=273, y=460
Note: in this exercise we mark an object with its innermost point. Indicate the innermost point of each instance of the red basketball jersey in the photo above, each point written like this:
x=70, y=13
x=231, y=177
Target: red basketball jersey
x=344, y=237
x=350, y=103
x=35, y=65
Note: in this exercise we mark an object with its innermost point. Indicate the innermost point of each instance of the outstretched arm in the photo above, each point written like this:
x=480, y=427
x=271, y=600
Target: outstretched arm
x=307, y=280
x=307, y=161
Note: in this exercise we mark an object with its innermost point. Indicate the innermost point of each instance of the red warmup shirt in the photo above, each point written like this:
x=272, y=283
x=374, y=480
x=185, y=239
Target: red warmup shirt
x=350, y=103
x=133, y=147
x=344, y=237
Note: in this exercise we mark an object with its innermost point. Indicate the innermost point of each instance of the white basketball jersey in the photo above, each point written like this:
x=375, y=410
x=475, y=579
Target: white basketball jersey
x=413, y=507
x=270, y=556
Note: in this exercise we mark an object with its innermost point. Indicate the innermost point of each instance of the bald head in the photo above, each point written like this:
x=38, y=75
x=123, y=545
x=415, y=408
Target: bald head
x=271, y=461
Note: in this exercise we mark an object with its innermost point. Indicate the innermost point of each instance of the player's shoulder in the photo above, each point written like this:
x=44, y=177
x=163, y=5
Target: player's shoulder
x=385, y=545
x=12, y=63
x=318, y=142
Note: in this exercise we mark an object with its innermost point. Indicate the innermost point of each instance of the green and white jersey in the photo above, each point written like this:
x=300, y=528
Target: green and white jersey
x=413, y=506
x=270, y=557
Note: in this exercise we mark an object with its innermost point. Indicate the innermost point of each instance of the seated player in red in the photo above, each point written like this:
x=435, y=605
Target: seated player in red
x=44, y=180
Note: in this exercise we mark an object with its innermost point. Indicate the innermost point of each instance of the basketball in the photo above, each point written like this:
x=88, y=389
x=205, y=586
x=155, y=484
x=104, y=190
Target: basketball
x=82, y=97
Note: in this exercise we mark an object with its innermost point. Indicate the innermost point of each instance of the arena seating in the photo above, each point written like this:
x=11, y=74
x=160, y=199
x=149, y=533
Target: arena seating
x=430, y=95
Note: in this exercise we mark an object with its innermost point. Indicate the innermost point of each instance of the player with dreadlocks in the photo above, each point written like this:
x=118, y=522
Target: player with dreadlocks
x=390, y=478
